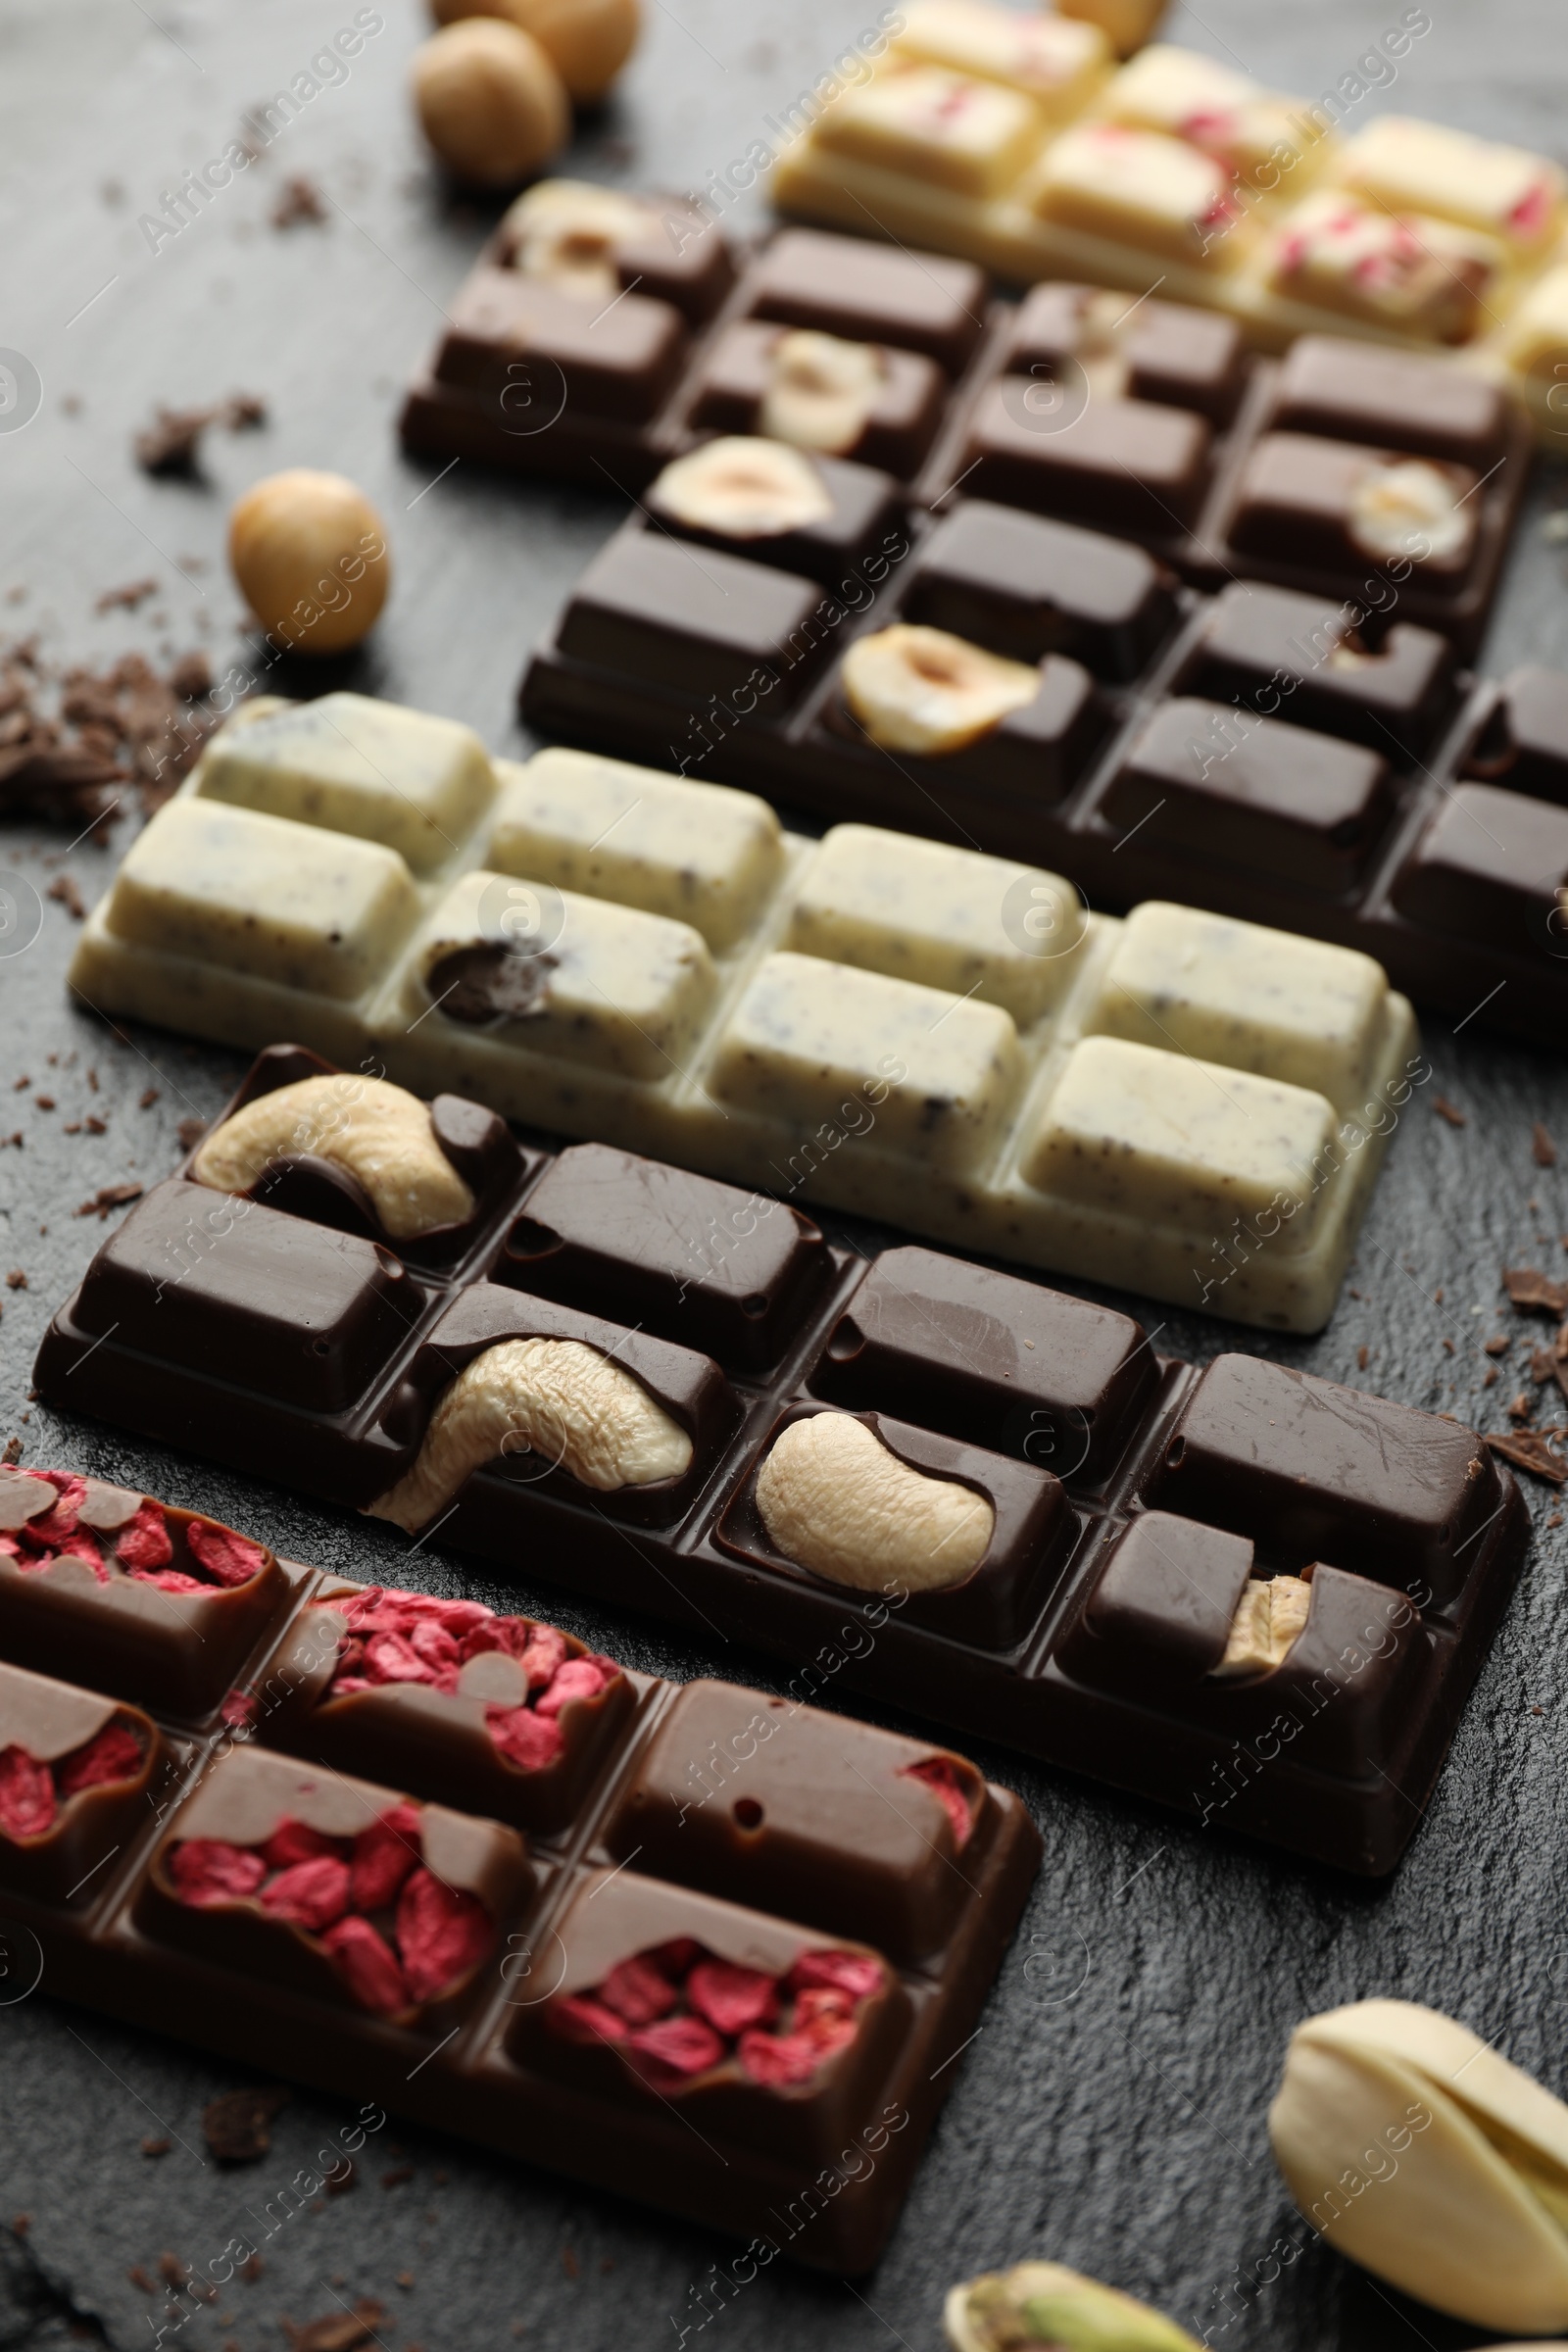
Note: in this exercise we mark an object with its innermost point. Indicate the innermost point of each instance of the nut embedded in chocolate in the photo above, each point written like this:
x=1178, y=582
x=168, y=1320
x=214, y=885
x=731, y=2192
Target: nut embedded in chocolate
x=382, y=1136
x=919, y=690
x=483, y=986
x=835, y=1499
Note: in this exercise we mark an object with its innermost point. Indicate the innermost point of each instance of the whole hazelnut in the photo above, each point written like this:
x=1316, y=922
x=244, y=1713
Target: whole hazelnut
x=492, y=104
x=590, y=40
x=310, y=557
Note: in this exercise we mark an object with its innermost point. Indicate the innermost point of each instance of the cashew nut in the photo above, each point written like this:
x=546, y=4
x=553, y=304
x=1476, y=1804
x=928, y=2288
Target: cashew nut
x=1268, y=1624
x=556, y=1397
x=376, y=1132
x=834, y=1499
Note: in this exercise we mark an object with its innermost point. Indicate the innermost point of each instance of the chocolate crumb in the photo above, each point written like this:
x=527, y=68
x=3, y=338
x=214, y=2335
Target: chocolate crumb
x=149, y=1097
x=569, y=2263
x=12, y=1452
x=399, y=2176
x=1498, y=1344
x=1450, y=1112
x=21, y=2225
x=1531, y=1449
x=156, y=2147
x=1543, y=1151
x=339, y=2331
x=1533, y=1292
x=1363, y=1356
x=43, y=1102
x=299, y=201
x=190, y=1133
x=126, y=599
x=1448, y=1346
x=64, y=889
x=94, y=1124
x=251, y=2270
x=110, y=1196
x=338, y=2184
x=93, y=1080
x=1521, y=1408
x=404, y=2279
x=170, y=2270
x=138, y=2278
x=238, y=2126
x=16, y=1280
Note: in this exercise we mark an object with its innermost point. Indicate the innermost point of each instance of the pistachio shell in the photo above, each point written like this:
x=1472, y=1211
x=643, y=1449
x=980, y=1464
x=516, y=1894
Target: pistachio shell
x=1437, y=2165
x=1044, y=2303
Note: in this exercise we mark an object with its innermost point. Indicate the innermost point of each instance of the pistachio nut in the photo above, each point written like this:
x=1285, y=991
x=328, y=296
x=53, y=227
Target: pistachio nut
x=1044, y=2303
x=1419, y=2152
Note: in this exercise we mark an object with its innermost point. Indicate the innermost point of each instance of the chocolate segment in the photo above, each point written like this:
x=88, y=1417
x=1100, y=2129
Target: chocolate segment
x=1295, y=658
x=1163, y=352
x=1524, y=744
x=1026, y=588
x=76, y=1773
x=707, y=626
x=846, y=286
x=1356, y=392
x=1213, y=780
x=862, y=509
x=741, y=370
x=1490, y=865
x=731, y=1274
x=1034, y=755
x=1334, y=504
x=991, y=1360
x=530, y=351
x=1124, y=465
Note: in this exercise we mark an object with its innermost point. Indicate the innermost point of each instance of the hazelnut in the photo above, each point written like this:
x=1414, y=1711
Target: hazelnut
x=492, y=102
x=379, y=1135
x=839, y=1501
x=589, y=40
x=919, y=690
x=310, y=557
x=742, y=489
x=559, y=1399
x=1271, y=1618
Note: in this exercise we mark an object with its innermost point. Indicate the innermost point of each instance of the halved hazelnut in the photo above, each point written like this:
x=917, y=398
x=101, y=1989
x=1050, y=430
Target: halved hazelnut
x=1410, y=509
x=567, y=233
x=920, y=690
x=742, y=489
x=1267, y=1626
x=821, y=391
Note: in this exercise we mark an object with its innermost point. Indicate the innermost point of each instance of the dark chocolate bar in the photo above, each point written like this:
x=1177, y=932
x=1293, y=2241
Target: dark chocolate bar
x=958, y=1461
x=698, y=1947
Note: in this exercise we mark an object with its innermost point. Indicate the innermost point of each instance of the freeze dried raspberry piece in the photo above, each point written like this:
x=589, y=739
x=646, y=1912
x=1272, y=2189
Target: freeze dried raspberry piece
x=433, y=1644
x=957, y=1795
x=824, y=2018
x=578, y=1678
x=84, y=1548
x=313, y=1894
x=681, y=2046
x=11, y=1549
x=228, y=1559
x=384, y=1854
x=115, y=1756
x=169, y=1579
x=853, y=1973
x=208, y=1871
x=296, y=1841
x=542, y=1656
x=389, y=1658
x=56, y=1525
x=530, y=1741
x=732, y=1998
x=442, y=1935
x=26, y=1794
x=639, y=1990
x=778, y=2061
x=145, y=1543
x=580, y=2017
x=240, y=1710
x=368, y=1965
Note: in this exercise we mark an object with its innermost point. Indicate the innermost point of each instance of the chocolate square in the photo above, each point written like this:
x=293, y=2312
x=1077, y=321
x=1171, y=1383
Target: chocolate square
x=1035, y=756
x=1122, y=464
x=538, y=352
x=1299, y=659
x=871, y=293
x=734, y=381
x=652, y=610
x=1025, y=587
x=1296, y=503
x=1173, y=355
x=1491, y=866
x=1357, y=392
x=865, y=508
x=1524, y=743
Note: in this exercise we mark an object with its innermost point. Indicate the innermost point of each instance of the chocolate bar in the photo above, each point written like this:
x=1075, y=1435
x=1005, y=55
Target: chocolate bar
x=412, y=1848
x=989, y=1505
x=1184, y=178
x=656, y=965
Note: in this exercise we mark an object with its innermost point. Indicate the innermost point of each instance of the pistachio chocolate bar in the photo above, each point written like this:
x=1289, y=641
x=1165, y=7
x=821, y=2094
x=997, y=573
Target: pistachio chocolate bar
x=414, y=1849
x=980, y=136
x=1240, y=1591
x=926, y=1034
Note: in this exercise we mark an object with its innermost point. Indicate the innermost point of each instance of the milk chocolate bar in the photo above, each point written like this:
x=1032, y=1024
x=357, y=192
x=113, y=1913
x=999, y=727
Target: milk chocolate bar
x=688, y=1945
x=979, y=1500
x=658, y=965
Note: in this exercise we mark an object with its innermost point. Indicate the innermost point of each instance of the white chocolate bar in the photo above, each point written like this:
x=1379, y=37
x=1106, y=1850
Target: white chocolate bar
x=1181, y=1105
x=1059, y=64
x=1410, y=274
x=1504, y=192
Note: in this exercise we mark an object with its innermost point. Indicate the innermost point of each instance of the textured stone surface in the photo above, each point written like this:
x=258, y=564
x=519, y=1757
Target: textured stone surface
x=1110, y=2114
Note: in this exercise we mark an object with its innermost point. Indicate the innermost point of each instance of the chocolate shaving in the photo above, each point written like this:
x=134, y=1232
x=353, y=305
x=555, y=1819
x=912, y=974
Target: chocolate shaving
x=126, y=600
x=64, y=889
x=64, y=738
x=238, y=2126
x=172, y=444
x=298, y=202
x=1531, y=1449
x=109, y=1198
x=1543, y=1151
x=1450, y=1112
x=1533, y=1292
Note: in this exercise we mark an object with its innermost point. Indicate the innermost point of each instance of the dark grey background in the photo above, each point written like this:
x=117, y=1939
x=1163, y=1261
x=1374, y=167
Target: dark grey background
x=1111, y=2112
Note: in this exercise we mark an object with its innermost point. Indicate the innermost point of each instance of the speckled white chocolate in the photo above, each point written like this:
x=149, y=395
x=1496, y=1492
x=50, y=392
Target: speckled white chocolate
x=1180, y=1145
x=1161, y=194
x=912, y=908
x=250, y=894
x=950, y=131
x=1061, y=65
x=1262, y=1000
x=419, y=784
x=881, y=1024
x=621, y=991
x=700, y=854
x=1424, y=167
x=812, y=1041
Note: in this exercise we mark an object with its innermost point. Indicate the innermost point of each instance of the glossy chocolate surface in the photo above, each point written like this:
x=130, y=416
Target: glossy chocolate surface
x=1058, y=1412
x=869, y=292
x=911, y=402
x=1025, y=587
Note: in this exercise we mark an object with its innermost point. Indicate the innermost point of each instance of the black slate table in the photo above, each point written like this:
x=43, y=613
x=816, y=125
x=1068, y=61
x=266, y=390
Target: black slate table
x=1112, y=2112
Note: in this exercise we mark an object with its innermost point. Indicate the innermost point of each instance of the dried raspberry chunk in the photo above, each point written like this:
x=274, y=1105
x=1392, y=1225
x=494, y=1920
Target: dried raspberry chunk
x=442, y=1935
x=684, y=2046
x=389, y=1658
x=56, y=1525
x=208, y=1871
x=368, y=1965
x=240, y=1709
x=579, y=1678
x=957, y=1792
x=777, y=2061
x=145, y=1543
x=542, y=1656
x=296, y=1841
x=384, y=1854
x=26, y=1794
x=732, y=1998
x=169, y=1579
x=529, y=1740
x=639, y=1990
x=313, y=1894
x=227, y=1558
x=435, y=1646
x=115, y=1756
x=580, y=2017
x=853, y=1973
